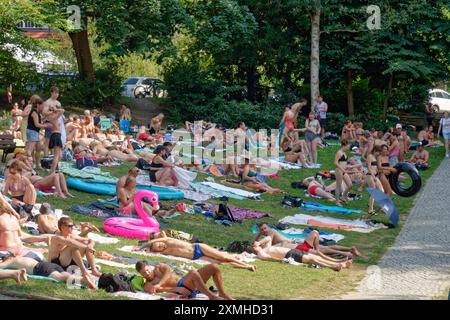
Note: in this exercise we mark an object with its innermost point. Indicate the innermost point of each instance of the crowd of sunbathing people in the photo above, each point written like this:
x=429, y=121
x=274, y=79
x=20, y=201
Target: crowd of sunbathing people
x=374, y=155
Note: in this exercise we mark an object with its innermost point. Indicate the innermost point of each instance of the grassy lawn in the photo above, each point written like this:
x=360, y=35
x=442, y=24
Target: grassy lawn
x=272, y=280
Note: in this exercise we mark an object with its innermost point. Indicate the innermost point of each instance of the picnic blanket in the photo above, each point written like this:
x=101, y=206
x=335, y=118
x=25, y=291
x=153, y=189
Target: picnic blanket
x=240, y=192
x=163, y=296
x=357, y=225
x=69, y=169
x=294, y=233
x=214, y=193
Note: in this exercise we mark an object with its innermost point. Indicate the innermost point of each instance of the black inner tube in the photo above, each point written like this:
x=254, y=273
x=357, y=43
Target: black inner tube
x=414, y=175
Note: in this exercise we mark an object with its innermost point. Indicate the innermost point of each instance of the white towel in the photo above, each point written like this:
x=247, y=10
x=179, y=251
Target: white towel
x=239, y=192
x=158, y=255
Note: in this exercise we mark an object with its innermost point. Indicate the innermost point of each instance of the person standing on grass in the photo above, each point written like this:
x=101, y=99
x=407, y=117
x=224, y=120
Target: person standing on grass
x=55, y=142
x=444, y=126
x=321, y=110
x=34, y=126
x=51, y=102
x=9, y=94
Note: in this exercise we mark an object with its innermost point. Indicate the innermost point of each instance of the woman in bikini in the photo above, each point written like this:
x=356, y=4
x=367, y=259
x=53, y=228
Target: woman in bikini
x=126, y=199
x=250, y=179
x=113, y=152
x=293, y=152
x=340, y=161
x=55, y=180
x=20, y=188
x=372, y=179
x=385, y=169
x=348, y=131
x=317, y=189
x=16, y=117
x=312, y=134
x=161, y=171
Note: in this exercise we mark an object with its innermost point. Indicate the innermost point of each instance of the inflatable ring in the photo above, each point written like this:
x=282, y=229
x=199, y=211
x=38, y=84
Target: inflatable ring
x=414, y=175
x=135, y=228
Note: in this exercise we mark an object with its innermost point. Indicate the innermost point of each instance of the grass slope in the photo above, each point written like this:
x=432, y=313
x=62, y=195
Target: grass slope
x=272, y=280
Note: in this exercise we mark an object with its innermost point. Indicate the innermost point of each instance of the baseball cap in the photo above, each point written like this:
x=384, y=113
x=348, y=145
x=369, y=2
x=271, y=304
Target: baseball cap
x=398, y=126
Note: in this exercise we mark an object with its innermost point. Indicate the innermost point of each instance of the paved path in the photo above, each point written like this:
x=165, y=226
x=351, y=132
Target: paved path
x=417, y=266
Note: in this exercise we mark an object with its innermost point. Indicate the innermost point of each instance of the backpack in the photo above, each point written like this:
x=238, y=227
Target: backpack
x=238, y=246
x=46, y=163
x=290, y=201
x=85, y=162
x=223, y=212
x=115, y=282
x=67, y=155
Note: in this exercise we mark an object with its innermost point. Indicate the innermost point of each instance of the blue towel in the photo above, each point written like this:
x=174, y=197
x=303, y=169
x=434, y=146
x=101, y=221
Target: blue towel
x=315, y=206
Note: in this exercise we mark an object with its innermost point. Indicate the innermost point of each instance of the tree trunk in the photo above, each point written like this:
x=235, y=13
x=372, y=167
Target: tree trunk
x=82, y=50
x=350, y=102
x=251, y=83
x=315, y=54
x=388, y=96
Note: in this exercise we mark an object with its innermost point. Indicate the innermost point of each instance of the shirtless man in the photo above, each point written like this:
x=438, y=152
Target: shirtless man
x=156, y=124
x=55, y=142
x=403, y=141
x=276, y=238
x=67, y=249
x=52, y=102
x=276, y=253
x=161, y=278
x=420, y=157
x=422, y=137
x=73, y=128
x=194, y=251
x=44, y=269
x=133, y=172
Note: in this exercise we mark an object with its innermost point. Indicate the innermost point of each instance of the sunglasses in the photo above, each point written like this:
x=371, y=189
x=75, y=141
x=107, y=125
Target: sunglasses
x=69, y=225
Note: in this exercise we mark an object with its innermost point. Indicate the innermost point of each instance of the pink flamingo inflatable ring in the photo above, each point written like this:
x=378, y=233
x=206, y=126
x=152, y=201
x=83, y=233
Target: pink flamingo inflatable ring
x=135, y=228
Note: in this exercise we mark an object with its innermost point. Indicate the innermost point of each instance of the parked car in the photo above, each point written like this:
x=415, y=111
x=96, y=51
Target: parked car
x=143, y=87
x=440, y=100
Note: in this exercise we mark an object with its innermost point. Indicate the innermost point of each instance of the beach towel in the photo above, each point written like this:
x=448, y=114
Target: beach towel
x=240, y=192
x=214, y=193
x=160, y=296
x=69, y=169
x=357, y=225
x=241, y=214
x=184, y=177
x=315, y=206
x=102, y=239
x=294, y=233
x=115, y=264
x=86, y=211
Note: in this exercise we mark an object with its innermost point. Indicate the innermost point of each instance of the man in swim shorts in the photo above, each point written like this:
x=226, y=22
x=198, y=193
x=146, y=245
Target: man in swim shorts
x=194, y=251
x=274, y=253
x=45, y=269
x=68, y=249
x=161, y=278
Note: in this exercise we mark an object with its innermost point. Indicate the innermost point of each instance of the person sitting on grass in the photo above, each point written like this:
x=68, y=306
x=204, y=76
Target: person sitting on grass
x=133, y=172
x=277, y=253
x=250, y=179
x=156, y=124
x=161, y=171
x=67, y=249
x=161, y=278
x=420, y=157
x=48, y=222
x=126, y=199
x=194, y=251
x=20, y=188
x=43, y=269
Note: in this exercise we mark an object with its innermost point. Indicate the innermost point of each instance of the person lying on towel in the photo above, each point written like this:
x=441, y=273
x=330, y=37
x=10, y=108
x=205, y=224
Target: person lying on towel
x=194, y=251
x=161, y=278
x=276, y=253
x=44, y=269
x=310, y=245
